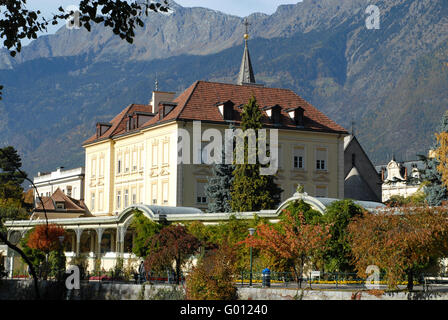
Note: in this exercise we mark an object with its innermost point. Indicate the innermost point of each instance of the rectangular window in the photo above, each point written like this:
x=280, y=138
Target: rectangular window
x=92, y=202
x=154, y=156
x=321, y=191
x=201, y=198
x=126, y=162
x=69, y=191
x=134, y=196
x=299, y=158
x=141, y=158
x=154, y=193
x=93, y=167
x=119, y=165
x=118, y=199
x=100, y=201
x=101, y=169
x=321, y=159
x=166, y=153
x=134, y=160
x=165, y=192
x=126, y=198
x=140, y=199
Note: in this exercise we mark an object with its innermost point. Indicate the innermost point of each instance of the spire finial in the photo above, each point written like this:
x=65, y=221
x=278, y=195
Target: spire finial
x=246, y=75
x=353, y=128
x=246, y=24
x=156, y=84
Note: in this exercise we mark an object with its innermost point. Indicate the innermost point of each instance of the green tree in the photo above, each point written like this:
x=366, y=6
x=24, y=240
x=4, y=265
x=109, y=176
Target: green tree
x=252, y=191
x=435, y=190
x=11, y=191
x=219, y=186
x=338, y=256
x=144, y=229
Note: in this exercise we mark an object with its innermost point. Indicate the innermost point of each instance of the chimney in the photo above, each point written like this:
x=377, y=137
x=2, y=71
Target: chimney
x=405, y=173
x=159, y=96
x=382, y=174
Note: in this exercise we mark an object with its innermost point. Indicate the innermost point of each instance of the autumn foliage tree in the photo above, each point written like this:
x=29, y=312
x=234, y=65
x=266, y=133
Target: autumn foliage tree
x=172, y=245
x=291, y=240
x=400, y=243
x=213, y=277
x=46, y=238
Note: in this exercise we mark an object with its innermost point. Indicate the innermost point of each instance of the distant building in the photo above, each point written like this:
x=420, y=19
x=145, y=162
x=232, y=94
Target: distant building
x=60, y=206
x=400, y=178
x=71, y=183
x=362, y=181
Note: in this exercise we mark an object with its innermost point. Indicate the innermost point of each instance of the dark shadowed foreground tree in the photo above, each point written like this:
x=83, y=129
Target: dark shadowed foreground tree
x=172, y=245
x=400, y=244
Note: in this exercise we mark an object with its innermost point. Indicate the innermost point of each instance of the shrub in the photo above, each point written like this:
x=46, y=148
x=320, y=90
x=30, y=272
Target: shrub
x=213, y=277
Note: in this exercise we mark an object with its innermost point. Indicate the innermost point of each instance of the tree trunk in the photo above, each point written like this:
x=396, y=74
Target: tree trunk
x=28, y=262
x=410, y=280
x=178, y=271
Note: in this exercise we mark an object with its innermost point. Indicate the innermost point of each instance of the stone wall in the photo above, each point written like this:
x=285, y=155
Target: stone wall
x=24, y=289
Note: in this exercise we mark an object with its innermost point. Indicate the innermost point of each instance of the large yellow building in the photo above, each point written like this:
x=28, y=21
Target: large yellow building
x=133, y=159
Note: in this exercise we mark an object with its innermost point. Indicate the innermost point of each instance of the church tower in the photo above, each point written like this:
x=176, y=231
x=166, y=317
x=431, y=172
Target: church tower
x=246, y=75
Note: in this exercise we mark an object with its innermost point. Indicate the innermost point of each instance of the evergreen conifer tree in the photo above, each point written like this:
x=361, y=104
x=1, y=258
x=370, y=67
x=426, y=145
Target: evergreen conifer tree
x=219, y=185
x=435, y=191
x=250, y=190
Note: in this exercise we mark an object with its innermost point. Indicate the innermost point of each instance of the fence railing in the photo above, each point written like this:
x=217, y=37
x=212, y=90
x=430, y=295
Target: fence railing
x=330, y=280
x=324, y=280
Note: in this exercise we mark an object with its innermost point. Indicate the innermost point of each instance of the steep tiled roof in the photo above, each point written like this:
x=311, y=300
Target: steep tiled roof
x=198, y=102
x=119, y=122
x=71, y=206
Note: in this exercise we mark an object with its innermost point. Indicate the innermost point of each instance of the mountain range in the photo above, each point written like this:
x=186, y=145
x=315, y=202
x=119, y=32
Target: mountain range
x=391, y=82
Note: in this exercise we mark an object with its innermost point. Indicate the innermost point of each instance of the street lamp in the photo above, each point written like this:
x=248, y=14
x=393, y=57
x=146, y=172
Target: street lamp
x=251, y=232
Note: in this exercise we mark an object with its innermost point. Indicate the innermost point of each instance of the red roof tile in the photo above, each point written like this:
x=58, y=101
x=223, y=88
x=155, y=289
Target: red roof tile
x=198, y=102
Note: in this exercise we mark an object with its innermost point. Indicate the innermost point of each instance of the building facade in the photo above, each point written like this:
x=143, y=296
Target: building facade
x=400, y=178
x=71, y=183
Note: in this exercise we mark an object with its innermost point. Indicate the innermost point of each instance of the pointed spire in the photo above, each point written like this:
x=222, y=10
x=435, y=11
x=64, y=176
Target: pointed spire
x=246, y=74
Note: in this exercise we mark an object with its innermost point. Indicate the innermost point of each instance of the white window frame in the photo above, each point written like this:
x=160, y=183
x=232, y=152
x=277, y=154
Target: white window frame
x=325, y=160
x=118, y=199
x=299, y=147
x=202, y=197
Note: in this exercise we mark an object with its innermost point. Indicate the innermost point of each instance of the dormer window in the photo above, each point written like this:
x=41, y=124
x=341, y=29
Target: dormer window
x=140, y=118
x=60, y=205
x=165, y=108
x=274, y=113
x=226, y=109
x=101, y=128
x=297, y=115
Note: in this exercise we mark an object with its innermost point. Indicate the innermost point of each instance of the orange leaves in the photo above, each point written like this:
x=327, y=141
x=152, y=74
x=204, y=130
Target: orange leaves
x=46, y=238
x=398, y=242
x=291, y=239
